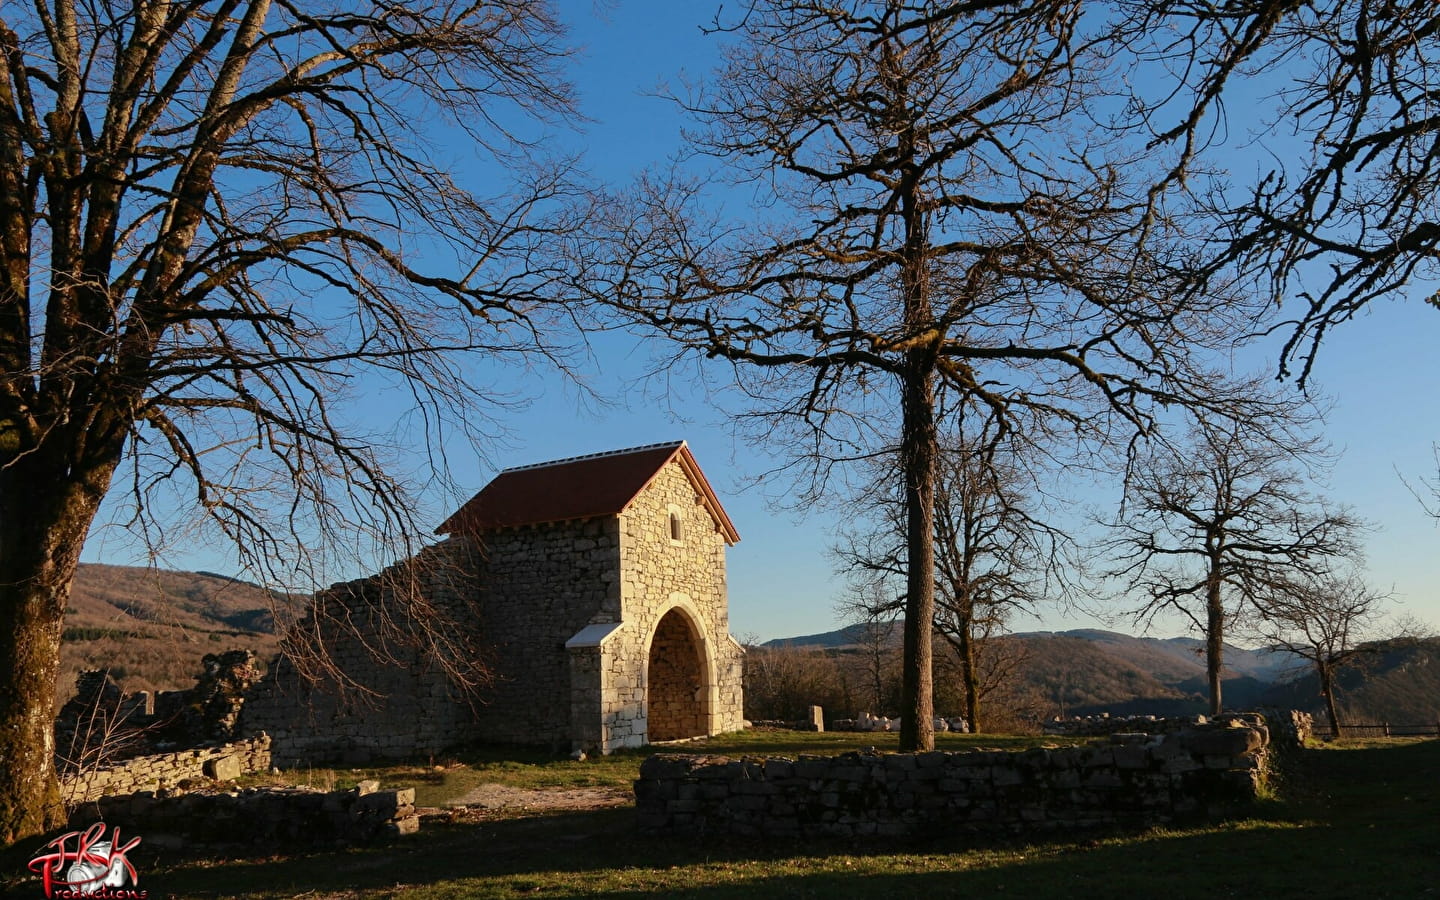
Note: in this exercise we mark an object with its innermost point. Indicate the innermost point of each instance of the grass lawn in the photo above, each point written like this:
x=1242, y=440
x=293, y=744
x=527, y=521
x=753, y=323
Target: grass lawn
x=1358, y=820
x=444, y=780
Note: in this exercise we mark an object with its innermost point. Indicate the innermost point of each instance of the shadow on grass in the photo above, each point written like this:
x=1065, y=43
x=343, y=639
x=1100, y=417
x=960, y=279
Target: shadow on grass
x=1356, y=823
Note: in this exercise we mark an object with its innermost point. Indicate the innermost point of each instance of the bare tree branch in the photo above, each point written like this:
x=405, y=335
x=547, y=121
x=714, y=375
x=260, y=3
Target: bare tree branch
x=216, y=217
x=1211, y=528
x=934, y=231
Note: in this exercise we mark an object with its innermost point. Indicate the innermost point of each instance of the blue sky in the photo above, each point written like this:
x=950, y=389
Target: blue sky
x=1380, y=369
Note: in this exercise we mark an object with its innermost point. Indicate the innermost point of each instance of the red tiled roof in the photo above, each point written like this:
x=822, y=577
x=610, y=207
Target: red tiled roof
x=582, y=487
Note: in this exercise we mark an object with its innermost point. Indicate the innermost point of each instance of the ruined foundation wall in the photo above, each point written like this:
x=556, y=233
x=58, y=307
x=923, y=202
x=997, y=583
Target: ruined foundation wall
x=165, y=770
x=258, y=819
x=541, y=586
x=1136, y=779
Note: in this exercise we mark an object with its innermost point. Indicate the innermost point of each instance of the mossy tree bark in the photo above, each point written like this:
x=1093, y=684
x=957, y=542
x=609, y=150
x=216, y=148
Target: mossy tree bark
x=46, y=507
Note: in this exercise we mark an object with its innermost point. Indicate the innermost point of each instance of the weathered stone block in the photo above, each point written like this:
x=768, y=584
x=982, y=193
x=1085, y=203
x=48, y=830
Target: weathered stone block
x=223, y=768
x=1222, y=742
x=383, y=804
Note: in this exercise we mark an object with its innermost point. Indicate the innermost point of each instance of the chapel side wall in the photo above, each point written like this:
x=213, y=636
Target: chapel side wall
x=399, y=710
x=542, y=585
x=655, y=569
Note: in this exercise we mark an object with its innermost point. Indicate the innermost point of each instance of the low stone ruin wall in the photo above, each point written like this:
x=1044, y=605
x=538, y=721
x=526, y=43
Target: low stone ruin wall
x=864, y=722
x=164, y=770
x=867, y=722
x=258, y=818
x=1103, y=724
x=1287, y=727
x=101, y=721
x=1136, y=779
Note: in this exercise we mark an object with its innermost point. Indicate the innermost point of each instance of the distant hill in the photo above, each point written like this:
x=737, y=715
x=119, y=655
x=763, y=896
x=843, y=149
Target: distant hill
x=1168, y=659
x=1089, y=671
x=1080, y=676
x=1399, y=683
x=152, y=626
x=1177, y=659
x=848, y=636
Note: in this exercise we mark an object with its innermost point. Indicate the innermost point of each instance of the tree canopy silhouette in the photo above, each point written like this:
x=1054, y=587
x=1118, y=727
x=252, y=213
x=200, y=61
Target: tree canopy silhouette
x=936, y=218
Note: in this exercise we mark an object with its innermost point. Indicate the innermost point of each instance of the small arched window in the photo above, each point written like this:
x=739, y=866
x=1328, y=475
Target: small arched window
x=677, y=526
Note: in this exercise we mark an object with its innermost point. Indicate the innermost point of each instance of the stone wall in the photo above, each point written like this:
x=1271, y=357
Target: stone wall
x=399, y=704
x=674, y=679
x=282, y=819
x=1135, y=779
x=684, y=579
x=164, y=770
x=100, y=724
x=541, y=585
x=567, y=615
x=1288, y=728
x=1098, y=726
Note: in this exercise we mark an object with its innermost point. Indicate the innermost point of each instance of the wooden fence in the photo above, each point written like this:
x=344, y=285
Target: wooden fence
x=1381, y=729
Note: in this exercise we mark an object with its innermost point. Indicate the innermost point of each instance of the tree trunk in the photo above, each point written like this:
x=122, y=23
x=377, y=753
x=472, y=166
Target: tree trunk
x=1327, y=690
x=45, y=514
x=971, y=679
x=918, y=448
x=877, y=674
x=919, y=441
x=1214, y=640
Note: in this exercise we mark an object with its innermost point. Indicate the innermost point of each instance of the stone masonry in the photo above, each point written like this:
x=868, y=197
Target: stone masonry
x=674, y=643
x=1134, y=779
x=395, y=704
x=165, y=770
x=595, y=588
x=258, y=819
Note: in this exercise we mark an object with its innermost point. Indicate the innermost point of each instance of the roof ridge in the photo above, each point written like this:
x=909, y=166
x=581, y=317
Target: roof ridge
x=602, y=453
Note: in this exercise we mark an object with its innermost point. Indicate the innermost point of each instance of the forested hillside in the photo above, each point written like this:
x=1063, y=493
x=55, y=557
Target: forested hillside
x=151, y=627
x=1399, y=683
x=1090, y=671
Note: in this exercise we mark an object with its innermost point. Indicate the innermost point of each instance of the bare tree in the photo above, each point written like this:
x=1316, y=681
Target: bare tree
x=993, y=557
x=1430, y=504
x=783, y=682
x=871, y=606
x=934, y=215
x=1330, y=622
x=212, y=216
x=1346, y=207
x=1210, y=528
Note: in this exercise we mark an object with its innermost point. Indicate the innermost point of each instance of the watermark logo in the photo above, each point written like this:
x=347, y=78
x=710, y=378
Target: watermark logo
x=88, y=864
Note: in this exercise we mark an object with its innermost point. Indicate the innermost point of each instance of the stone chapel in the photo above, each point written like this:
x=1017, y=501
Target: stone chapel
x=597, y=587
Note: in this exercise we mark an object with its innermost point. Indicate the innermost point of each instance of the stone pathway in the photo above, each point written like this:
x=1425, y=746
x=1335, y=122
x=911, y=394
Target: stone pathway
x=499, y=796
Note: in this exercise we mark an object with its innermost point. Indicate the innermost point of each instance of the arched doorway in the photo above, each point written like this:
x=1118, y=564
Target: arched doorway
x=677, y=695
